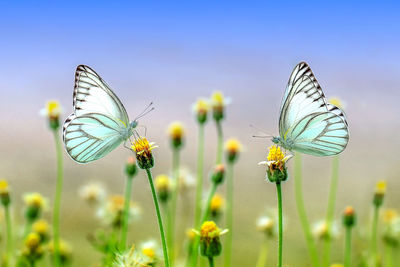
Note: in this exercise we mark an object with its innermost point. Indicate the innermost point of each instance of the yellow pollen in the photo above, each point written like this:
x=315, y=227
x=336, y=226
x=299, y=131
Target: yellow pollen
x=32, y=241
x=175, y=130
x=217, y=202
x=162, y=182
x=233, y=145
x=389, y=215
x=380, y=187
x=217, y=98
x=141, y=145
x=41, y=227
x=149, y=252
x=209, y=229
x=34, y=199
x=201, y=106
x=4, y=186
x=275, y=154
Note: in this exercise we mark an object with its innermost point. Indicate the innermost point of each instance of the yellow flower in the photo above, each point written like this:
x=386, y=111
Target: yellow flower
x=163, y=186
x=336, y=101
x=144, y=156
x=35, y=200
x=210, y=245
x=276, y=162
x=112, y=211
x=151, y=249
x=217, y=203
x=4, y=187
x=389, y=215
x=201, y=108
x=320, y=230
x=52, y=110
x=32, y=241
x=380, y=187
x=42, y=228
x=209, y=230
x=218, y=103
x=93, y=193
x=176, y=130
x=232, y=147
x=65, y=250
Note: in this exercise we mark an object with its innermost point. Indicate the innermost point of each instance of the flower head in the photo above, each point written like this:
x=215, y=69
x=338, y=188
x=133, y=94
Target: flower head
x=349, y=217
x=52, y=111
x=35, y=203
x=176, y=133
x=151, y=249
x=232, y=147
x=32, y=250
x=112, y=211
x=132, y=258
x=380, y=191
x=321, y=231
x=163, y=186
x=4, y=193
x=276, y=162
x=201, y=108
x=219, y=173
x=391, y=230
x=65, y=251
x=218, y=104
x=42, y=228
x=93, y=193
x=130, y=167
x=267, y=225
x=216, y=205
x=144, y=156
x=210, y=245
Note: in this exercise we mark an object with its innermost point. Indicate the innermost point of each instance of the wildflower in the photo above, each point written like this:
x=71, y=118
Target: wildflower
x=218, y=175
x=65, y=252
x=349, y=217
x=216, y=205
x=276, y=162
x=163, y=186
x=389, y=215
x=336, y=101
x=232, y=147
x=35, y=204
x=4, y=193
x=144, y=156
x=132, y=258
x=218, y=103
x=92, y=193
x=130, y=167
x=201, y=108
x=380, y=191
x=32, y=250
x=112, y=211
x=176, y=133
x=151, y=249
x=210, y=245
x=52, y=111
x=186, y=180
x=267, y=225
x=321, y=231
x=391, y=231
x=42, y=228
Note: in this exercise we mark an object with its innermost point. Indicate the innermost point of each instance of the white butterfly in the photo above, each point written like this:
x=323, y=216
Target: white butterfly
x=99, y=123
x=307, y=122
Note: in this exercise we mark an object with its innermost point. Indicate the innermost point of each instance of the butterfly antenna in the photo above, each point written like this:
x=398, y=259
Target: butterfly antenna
x=264, y=134
x=148, y=109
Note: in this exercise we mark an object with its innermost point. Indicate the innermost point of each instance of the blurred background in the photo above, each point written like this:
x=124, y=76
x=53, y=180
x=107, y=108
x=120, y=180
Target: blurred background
x=171, y=53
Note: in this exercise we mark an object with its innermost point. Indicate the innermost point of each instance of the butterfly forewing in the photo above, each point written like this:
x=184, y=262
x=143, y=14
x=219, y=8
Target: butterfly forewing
x=311, y=124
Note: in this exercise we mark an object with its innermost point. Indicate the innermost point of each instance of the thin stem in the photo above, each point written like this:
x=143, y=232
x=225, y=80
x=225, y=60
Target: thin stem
x=9, y=234
x=28, y=226
x=220, y=143
x=203, y=219
x=331, y=209
x=229, y=215
x=173, y=204
x=374, y=232
x=262, y=256
x=388, y=255
x=125, y=220
x=280, y=239
x=158, y=213
x=312, y=249
x=211, y=261
x=57, y=199
x=347, y=256
x=199, y=183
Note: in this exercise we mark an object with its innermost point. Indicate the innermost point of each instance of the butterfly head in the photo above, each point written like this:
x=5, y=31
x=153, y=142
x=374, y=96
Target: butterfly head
x=276, y=140
x=134, y=124
x=285, y=143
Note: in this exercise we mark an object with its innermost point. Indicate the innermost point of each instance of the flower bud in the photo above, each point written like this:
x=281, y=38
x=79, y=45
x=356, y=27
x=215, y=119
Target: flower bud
x=144, y=156
x=163, y=186
x=210, y=244
x=35, y=204
x=218, y=103
x=216, y=205
x=4, y=193
x=232, y=148
x=201, y=108
x=349, y=217
x=276, y=162
x=380, y=191
x=130, y=167
x=52, y=111
x=218, y=175
x=176, y=133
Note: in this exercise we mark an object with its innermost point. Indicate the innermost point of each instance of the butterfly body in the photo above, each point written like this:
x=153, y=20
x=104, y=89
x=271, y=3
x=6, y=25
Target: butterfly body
x=99, y=122
x=307, y=122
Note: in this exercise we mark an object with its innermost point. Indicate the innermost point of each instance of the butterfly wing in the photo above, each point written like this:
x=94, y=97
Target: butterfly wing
x=99, y=122
x=307, y=121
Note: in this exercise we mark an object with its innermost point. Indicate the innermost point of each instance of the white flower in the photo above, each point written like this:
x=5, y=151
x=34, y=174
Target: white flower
x=93, y=193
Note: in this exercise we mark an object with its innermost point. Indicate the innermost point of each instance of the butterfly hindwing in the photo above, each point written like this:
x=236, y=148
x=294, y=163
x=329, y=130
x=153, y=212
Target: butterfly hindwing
x=307, y=121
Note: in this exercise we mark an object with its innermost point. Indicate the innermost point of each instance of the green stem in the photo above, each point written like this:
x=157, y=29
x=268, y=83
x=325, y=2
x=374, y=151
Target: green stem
x=9, y=234
x=331, y=209
x=220, y=143
x=312, y=249
x=211, y=261
x=173, y=204
x=229, y=215
x=347, y=256
x=158, y=213
x=389, y=256
x=262, y=256
x=203, y=219
x=28, y=226
x=57, y=199
x=280, y=240
x=125, y=220
x=199, y=183
x=374, y=232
